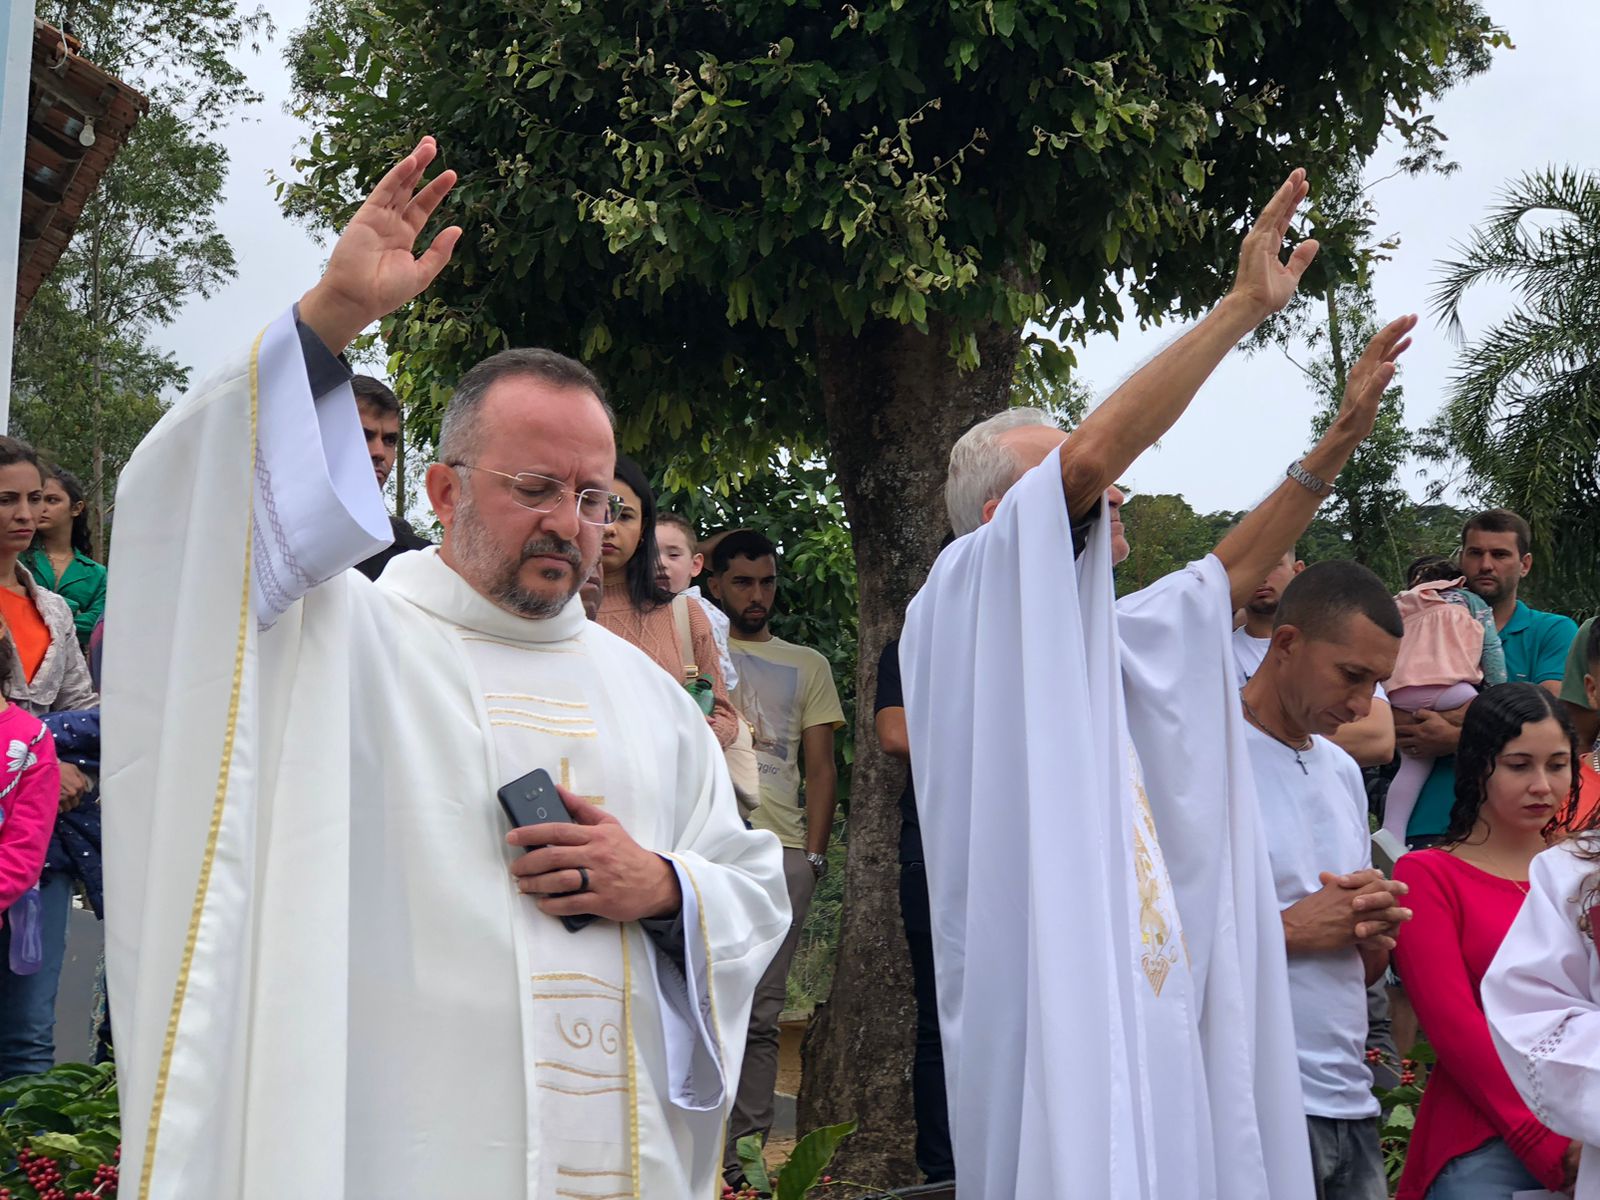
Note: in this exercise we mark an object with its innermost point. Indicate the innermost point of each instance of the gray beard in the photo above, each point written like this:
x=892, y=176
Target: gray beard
x=497, y=581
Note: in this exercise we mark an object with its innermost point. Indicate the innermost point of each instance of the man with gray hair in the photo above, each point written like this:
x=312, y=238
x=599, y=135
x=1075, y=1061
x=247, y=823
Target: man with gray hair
x=1102, y=905
x=337, y=969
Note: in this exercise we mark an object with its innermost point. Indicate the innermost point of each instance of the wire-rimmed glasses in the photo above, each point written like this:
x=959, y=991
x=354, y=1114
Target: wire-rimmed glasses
x=541, y=494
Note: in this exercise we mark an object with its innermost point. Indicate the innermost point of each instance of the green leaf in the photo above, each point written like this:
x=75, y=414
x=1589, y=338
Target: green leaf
x=1111, y=243
x=59, y=1143
x=752, y=1163
x=809, y=1159
x=1194, y=174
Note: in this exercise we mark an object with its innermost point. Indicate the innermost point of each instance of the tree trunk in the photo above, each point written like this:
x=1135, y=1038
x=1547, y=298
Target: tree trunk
x=895, y=402
x=400, y=475
x=97, y=470
x=1335, y=341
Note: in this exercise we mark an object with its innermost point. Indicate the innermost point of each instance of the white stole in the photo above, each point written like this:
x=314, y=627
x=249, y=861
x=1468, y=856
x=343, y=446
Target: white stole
x=1069, y=1070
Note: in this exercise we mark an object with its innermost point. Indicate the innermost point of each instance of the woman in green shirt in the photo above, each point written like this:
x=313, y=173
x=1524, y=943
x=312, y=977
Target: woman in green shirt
x=59, y=557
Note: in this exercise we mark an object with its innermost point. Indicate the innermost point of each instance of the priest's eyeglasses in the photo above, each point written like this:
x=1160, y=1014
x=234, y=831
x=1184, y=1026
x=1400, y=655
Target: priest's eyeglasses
x=541, y=494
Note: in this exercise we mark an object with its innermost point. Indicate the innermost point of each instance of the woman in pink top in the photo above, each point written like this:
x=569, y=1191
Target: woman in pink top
x=1516, y=783
x=637, y=609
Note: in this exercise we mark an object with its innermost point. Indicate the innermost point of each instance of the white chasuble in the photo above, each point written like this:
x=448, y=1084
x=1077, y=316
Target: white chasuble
x=1541, y=996
x=325, y=981
x=1076, y=1023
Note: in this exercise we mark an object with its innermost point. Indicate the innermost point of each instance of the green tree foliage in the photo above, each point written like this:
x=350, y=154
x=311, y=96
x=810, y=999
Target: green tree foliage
x=88, y=379
x=1164, y=533
x=799, y=225
x=1523, y=412
x=1368, y=494
x=685, y=194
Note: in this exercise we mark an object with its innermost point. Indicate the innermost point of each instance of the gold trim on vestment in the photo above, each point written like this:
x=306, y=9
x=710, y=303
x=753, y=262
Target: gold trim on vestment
x=597, y=1091
x=633, y=1061
x=539, y=716
x=594, y=1195
x=566, y=733
x=561, y=1066
x=575, y=1173
x=572, y=975
x=553, y=703
x=711, y=994
x=208, y=858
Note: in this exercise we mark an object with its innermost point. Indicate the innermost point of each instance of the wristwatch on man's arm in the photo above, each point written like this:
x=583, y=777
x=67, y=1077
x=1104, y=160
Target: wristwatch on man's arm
x=819, y=865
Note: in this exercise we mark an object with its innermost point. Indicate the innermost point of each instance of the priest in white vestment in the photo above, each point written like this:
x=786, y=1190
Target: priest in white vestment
x=1541, y=996
x=334, y=971
x=1112, y=979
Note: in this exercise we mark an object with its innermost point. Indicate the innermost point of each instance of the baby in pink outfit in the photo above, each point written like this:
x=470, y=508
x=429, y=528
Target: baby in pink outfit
x=1450, y=647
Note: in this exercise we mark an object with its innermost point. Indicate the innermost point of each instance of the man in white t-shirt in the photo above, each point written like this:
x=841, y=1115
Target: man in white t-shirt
x=1335, y=634
x=1369, y=740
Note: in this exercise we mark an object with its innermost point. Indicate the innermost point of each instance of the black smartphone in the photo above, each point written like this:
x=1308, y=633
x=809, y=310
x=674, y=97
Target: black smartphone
x=533, y=800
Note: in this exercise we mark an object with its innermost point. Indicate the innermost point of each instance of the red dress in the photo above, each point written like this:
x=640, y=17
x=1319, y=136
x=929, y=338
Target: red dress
x=1462, y=915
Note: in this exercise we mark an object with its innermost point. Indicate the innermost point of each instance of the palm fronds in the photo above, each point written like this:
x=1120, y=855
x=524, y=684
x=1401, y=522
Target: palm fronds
x=1523, y=410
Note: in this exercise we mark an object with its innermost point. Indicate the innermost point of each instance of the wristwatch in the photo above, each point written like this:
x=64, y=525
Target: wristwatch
x=1317, y=487
x=819, y=865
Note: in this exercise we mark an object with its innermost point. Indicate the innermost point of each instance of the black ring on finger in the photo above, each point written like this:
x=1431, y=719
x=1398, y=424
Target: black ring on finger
x=583, y=880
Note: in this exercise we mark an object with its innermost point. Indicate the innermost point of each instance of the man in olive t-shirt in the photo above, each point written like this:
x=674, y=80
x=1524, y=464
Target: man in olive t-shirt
x=787, y=694
x=1573, y=694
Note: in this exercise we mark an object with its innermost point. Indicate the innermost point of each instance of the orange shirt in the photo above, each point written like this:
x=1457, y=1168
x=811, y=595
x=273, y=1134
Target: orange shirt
x=1588, y=791
x=29, y=633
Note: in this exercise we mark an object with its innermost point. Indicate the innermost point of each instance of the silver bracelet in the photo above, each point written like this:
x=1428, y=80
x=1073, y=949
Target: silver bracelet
x=1317, y=487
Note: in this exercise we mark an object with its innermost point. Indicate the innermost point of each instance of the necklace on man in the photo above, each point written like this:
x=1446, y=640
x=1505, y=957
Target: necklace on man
x=1262, y=725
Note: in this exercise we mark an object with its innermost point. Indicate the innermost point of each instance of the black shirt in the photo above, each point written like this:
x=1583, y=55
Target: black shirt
x=890, y=696
x=405, y=538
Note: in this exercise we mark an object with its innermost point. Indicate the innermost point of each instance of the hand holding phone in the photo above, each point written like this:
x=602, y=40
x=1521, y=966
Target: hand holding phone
x=534, y=800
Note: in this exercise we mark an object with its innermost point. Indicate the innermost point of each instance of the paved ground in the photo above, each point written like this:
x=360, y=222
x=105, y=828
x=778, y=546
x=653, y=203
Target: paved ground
x=75, y=997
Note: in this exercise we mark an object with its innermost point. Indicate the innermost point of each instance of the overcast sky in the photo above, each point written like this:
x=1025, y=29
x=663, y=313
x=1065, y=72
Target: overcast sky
x=1535, y=106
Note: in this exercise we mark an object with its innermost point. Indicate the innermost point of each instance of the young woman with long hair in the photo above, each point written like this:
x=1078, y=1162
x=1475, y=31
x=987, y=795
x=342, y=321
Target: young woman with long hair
x=59, y=558
x=634, y=606
x=1516, y=783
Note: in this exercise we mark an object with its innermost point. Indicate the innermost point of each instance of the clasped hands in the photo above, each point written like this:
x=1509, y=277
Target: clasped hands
x=1359, y=909
x=626, y=882
x=1428, y=733
x=75, y=786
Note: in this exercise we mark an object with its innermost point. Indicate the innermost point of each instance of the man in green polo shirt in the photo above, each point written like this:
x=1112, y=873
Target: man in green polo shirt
x=1495, y=560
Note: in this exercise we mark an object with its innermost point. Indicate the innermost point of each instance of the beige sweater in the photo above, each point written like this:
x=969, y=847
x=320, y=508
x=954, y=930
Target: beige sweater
x=656, y=633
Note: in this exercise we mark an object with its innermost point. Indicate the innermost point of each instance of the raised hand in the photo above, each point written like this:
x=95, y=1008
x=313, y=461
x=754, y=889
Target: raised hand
x=1264, y=280
x=1371, y=376
x=373, y=269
